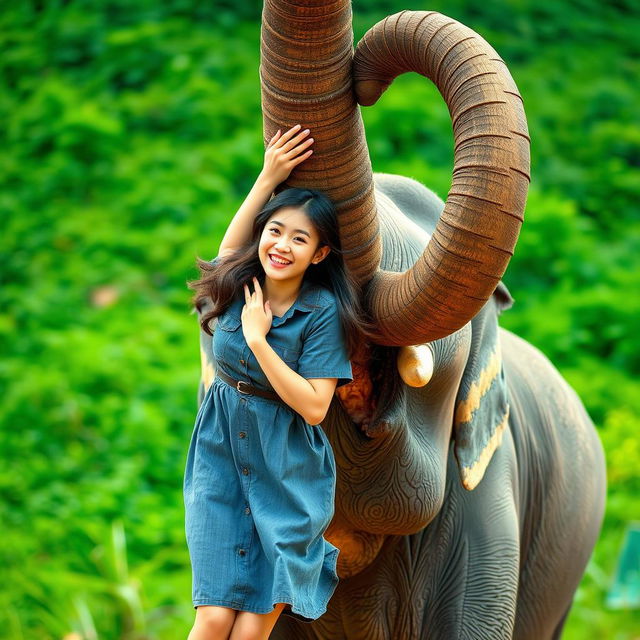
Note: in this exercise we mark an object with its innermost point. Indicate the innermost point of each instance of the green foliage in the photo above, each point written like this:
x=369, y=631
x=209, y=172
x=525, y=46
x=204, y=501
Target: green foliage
x=132, y=132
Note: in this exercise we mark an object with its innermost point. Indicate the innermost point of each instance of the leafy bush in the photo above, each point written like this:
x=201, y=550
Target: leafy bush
x=132, y=133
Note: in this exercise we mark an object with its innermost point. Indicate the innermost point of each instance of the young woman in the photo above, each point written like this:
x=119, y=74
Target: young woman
x=260, y=476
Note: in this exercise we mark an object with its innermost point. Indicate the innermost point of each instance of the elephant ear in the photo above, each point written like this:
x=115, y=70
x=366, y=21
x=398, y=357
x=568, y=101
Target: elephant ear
x=502, y=297
x=207, y=361
x=482, y=403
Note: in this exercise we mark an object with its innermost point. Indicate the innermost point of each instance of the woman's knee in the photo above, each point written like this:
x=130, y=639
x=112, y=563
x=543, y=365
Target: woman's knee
x=213, y=623
x=255, y=626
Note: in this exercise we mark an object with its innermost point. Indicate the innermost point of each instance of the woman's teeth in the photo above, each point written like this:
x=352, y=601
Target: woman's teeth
x=278, y=261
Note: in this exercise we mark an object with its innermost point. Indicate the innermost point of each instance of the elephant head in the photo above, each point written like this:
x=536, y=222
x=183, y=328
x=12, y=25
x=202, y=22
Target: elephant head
x=429, y=271
x=309, y=73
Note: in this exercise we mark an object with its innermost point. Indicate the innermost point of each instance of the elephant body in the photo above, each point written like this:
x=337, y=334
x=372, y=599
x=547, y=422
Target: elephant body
x=422, y=557
x=470, y=479
x=503, y=560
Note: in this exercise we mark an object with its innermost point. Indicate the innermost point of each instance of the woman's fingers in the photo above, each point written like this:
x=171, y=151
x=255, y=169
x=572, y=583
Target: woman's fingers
x=287, y=135
x=296, y=142
x=257, y=290
x=285, y=152
x=299, y=149
x=275, y=137
x=300, y=158
x=290, y=139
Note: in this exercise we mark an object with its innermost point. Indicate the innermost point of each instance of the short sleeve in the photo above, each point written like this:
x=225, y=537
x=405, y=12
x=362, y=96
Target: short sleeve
x=324, y=352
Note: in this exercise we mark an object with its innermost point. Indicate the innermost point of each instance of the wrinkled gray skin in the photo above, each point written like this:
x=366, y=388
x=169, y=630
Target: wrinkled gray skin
x=500, y=561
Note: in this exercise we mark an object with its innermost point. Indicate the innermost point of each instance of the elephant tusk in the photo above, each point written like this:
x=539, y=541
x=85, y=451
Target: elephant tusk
x=415, y=364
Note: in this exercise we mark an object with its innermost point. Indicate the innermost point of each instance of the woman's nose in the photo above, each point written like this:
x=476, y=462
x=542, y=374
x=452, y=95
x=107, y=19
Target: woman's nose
x=282, y=245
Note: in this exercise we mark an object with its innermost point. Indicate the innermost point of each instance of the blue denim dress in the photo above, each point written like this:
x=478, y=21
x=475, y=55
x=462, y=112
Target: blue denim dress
x=259, y=482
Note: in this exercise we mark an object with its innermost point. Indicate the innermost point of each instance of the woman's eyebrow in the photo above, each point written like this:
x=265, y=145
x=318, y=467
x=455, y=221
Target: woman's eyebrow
x=296, y=230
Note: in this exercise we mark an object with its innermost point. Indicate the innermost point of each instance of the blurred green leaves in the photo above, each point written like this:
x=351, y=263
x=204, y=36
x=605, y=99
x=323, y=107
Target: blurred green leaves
x=132, y=132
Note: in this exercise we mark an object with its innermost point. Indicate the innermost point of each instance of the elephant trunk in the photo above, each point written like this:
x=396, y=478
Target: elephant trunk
x=306, y=76
x=478, y=229
x=305, y=73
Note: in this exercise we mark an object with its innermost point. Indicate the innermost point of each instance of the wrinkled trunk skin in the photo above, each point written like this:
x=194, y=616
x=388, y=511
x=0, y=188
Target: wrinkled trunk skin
x=305, y=72
x=306, y=75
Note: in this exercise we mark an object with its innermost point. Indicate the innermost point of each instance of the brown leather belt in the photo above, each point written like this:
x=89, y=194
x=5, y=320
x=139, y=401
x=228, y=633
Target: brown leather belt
x=245, y=387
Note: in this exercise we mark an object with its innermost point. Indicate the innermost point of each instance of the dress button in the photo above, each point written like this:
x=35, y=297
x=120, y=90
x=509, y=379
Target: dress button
x=241, y=552
x=247, y=510
x=242, y=434
x=241, y=361
x=245, y=471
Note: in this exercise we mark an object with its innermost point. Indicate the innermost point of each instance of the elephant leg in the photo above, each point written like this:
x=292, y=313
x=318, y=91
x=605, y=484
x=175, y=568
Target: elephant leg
x=476, y=554
x=456, y=578
x=558, y=630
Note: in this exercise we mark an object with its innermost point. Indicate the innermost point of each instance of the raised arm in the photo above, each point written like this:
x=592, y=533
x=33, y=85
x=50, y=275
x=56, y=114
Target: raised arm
x=283, y=153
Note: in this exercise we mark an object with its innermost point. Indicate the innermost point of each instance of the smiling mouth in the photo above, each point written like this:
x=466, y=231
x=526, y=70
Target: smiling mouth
x=279, y=261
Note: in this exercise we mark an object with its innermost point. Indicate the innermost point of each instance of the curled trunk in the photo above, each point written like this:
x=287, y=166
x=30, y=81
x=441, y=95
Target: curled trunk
x=306, y=75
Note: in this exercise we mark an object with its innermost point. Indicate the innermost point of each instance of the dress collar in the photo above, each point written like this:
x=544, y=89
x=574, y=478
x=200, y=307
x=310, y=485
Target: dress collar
x=307, y=300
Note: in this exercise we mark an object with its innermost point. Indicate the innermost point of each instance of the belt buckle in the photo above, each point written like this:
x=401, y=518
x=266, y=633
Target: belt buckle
x=239, y=389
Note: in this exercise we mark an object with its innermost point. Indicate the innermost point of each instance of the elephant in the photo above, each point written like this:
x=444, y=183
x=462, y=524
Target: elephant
x=470, y=479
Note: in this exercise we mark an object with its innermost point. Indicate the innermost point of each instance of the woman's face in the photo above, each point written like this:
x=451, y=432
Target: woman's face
x=289, y=244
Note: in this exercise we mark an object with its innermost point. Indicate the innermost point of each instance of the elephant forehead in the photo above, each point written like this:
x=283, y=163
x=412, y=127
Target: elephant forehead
x=403, y=240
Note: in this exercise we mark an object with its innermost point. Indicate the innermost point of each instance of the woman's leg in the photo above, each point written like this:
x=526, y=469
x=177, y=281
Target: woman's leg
x=255, y=626
x=212, y=623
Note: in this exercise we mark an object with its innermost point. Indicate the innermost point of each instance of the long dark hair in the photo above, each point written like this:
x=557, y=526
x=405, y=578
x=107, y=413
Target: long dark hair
x=222, y=281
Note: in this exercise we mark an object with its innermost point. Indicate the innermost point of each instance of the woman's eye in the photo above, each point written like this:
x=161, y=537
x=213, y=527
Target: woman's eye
x=296, y=238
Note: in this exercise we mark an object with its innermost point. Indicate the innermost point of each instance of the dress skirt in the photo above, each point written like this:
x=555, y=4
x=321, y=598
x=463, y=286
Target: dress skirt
x=259, y=490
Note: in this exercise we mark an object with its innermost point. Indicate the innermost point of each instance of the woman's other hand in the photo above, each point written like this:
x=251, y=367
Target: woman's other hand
x=284, y=152
x=256, y=315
